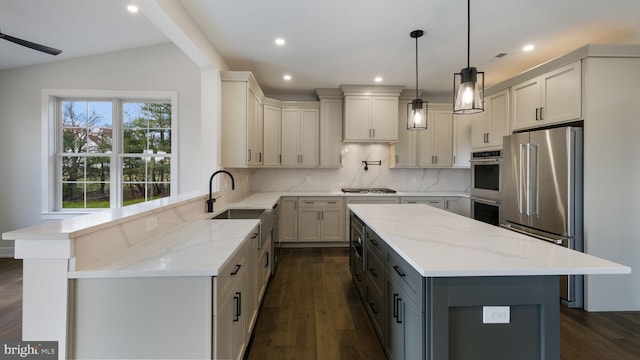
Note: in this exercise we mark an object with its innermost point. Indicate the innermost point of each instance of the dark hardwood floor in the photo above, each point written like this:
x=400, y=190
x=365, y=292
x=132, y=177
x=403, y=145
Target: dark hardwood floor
x=10, y=299
x=311, y=311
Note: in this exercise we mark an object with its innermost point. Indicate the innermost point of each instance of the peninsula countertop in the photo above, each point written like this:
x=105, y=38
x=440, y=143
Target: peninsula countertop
x=438, y=243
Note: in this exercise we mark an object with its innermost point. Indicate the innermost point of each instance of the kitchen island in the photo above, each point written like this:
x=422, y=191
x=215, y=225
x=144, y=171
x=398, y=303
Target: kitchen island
x=442, y=286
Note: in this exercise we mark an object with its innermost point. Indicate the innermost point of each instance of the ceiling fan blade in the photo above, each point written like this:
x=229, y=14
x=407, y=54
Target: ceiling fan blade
x=31, y=45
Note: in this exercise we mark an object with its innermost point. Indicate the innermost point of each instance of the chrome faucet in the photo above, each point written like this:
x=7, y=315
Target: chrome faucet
x=211, y=200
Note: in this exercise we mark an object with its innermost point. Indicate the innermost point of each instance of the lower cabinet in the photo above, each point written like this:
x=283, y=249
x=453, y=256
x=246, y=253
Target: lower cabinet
x=288, y=219
x=405, y=339
x=321, y=219
x=393, y=294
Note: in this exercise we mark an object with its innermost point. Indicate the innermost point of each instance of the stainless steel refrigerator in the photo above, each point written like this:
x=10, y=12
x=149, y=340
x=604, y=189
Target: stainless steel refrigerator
x=542, y=192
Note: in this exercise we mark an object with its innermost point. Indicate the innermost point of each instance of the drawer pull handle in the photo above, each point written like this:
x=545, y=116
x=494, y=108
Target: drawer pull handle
x=255, y=235
x=398, y=300
x=238, y=299
x=267, y=263
x=236, y=270
x=395, y=306
x=373, y=242
x=373, y=272
x=373, y=308
x=397, y=269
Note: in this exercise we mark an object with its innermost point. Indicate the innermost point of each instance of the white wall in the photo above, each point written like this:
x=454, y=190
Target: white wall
x=612, y=179
x=159, y=68
x=352, y=174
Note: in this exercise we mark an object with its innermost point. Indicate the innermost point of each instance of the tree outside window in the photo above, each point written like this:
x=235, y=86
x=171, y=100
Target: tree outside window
x=138, y=139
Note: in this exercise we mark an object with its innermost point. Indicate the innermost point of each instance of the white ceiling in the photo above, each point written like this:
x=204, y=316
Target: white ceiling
x=333, y=42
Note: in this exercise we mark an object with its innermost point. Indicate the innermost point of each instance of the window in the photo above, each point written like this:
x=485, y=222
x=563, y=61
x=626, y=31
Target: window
x=111, y=151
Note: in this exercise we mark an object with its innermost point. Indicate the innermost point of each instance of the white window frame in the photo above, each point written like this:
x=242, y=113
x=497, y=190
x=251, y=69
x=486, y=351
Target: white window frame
x=50, y=135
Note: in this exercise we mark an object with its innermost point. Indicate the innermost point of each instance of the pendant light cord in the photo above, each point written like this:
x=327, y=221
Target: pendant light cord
x=468, y=32
x=416, y=67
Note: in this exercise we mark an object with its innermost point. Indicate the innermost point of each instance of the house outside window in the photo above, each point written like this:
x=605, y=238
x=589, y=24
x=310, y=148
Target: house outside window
x=109, y=151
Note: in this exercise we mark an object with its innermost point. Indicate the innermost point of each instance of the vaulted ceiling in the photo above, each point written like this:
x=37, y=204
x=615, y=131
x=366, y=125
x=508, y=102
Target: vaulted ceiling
x=329, y=42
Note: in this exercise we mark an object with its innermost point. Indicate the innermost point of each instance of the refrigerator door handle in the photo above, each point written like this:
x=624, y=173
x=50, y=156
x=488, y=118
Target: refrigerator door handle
x=537, y=236
x=521, y=185
x=533, y=181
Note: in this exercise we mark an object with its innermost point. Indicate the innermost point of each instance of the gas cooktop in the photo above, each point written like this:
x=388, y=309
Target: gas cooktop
x=368, y=191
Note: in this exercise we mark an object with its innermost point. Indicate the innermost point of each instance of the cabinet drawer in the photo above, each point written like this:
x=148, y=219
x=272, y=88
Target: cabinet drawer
x=408, y=278
x=375, y=271
x=376, y=246
x=233, y=269
x=323, y=203
x=376, y=307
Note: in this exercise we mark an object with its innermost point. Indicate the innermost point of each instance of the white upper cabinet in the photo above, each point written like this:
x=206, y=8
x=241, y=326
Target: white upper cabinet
x=242, y=122
x=272, y=134
x=331, y=106
x=435, y=145
x=551, y=98
x=403, y=153
x=371, y=113
x=300, y=134
x=490, y=126
x=461, y=141
x=431, y=148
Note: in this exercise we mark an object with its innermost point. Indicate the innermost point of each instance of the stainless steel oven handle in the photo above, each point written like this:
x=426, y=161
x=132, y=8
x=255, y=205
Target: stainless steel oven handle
x=486, y=160
x=555, y=241
x=486, y=201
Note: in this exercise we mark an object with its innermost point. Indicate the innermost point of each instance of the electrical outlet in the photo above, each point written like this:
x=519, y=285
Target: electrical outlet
x=308, y=179
x=414, y=180
x=496, y=314
x=152, y=223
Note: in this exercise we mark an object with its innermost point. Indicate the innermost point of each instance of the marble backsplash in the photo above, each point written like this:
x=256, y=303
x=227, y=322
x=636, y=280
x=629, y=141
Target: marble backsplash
x=352, y=174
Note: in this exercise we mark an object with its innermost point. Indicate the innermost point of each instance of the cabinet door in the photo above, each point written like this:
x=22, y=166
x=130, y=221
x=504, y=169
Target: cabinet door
x=224, y=320
x=254, y=126
x=480, y=128
x=405, y=149
x=234, y=117
x=332, y=225
x=461, y=141
x=395, y=326
x=561, y=96
x=525, y=99
x=357, y=117
x=309, y=224
x=272, y=133
x=259, y=131
x=331, y=132
x=290, y=136
x=498, y=113
x=309, y=137
x=424, y=142
x=443, y=139
x=288, y=227
x=458, y=205
x=384, y=120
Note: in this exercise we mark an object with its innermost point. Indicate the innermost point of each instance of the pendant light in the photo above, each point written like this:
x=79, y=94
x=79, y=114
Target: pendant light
x=468, y=84
x=417, y=109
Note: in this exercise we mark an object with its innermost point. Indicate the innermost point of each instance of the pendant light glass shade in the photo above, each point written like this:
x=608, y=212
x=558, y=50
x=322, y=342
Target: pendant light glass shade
x=417, y=109
x=468, y=84
x=417, y=115
x=468, y=88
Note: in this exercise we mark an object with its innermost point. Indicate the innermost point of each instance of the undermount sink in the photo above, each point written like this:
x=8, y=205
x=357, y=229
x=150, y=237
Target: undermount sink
x=240, y=214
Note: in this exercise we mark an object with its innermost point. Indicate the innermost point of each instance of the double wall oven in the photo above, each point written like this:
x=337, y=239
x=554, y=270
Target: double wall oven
x=486, y=183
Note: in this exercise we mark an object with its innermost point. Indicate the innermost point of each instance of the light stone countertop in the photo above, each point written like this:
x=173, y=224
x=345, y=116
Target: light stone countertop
x=438, y=243
x=199, y=249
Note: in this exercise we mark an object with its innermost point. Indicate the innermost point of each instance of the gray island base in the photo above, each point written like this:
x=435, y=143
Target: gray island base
x=437, y=285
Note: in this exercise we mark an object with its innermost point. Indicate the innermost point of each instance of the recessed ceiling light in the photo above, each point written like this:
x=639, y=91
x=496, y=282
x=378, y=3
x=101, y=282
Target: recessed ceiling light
x=378, y=79
x=528, y=47
x=132, y=8
x=279, y=41
x=287, y=77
